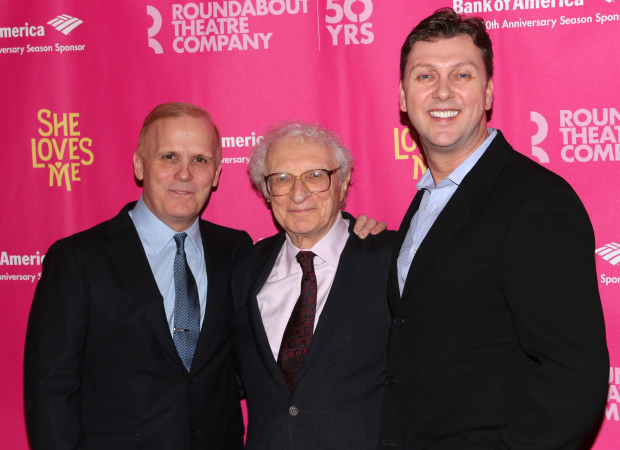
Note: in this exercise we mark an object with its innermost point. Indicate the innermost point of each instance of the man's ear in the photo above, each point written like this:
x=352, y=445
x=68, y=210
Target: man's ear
x=138, y=166
x=402, y=98
x=489, y=95
x=216, y=179
x=344, y=186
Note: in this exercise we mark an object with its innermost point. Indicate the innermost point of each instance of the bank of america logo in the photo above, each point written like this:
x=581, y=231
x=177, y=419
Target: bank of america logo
x=65, y=24
x=611, y=253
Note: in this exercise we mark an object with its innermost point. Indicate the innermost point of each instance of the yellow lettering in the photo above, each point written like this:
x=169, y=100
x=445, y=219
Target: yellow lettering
x=40, y=149
x=75, y=171
x=62, y=124
x=73, y=123
x=84, y=148
x=397, y=154
x=63, y=171
x=73, y=147
x=59, y=153
x=45, y=122
x=418, y=164
x=35, y=164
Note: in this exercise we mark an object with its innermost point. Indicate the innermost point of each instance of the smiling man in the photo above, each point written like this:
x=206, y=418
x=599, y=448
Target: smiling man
x=498, y=338
x=311, y=312
x=129, y=336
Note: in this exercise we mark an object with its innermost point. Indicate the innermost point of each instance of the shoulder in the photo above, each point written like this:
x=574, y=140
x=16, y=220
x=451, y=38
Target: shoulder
x=229, y=237
x=523, y=178
x=85, y=241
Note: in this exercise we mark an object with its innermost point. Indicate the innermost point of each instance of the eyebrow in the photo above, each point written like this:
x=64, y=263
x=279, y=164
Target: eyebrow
x=432, y=66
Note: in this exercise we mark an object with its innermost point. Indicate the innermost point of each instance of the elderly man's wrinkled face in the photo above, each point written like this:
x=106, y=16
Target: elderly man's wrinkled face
x=306, y=217
x=180, y=167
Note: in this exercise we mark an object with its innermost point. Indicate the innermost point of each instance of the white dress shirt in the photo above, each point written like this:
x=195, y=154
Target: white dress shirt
x=278, y=296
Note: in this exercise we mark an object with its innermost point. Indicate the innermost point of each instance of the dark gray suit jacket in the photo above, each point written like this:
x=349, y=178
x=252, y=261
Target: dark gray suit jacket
x=335, y=403
x=101, y=370
x=498, y=340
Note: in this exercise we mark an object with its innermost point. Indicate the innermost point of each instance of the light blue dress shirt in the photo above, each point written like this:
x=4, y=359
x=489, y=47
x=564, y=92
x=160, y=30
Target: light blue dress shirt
x=433, y=202
x=160, y=248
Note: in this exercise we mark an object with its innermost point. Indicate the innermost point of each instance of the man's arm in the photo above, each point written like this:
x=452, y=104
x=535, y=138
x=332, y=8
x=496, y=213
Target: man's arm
x=549, y=280
x=54, y=354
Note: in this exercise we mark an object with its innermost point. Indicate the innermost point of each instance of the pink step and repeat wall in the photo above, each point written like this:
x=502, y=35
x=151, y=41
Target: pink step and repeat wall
x=77, y=79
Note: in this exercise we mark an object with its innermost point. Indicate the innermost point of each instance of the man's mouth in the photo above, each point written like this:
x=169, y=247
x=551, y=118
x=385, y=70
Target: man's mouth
x=182, y=192
x=443, y=114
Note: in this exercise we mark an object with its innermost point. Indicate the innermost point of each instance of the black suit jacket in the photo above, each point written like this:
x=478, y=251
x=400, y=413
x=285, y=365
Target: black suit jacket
x=336, y=401
x=499, y=341
x=101, y=369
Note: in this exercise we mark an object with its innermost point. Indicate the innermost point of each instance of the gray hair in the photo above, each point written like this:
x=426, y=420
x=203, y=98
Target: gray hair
x=314, y=134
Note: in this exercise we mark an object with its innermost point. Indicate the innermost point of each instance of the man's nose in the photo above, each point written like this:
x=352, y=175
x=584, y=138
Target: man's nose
x=184, y=171
x=299, y=193
x=443, y=89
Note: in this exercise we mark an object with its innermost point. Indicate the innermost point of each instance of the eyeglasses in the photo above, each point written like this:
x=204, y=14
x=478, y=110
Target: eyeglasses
x=314, y=180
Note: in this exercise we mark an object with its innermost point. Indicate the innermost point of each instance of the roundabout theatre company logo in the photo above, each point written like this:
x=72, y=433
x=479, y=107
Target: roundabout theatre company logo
x=587, y=135
x=218, y=26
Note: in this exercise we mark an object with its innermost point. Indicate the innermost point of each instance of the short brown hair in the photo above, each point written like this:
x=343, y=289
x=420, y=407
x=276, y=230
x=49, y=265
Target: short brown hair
x=176, y=109
x=445, y=24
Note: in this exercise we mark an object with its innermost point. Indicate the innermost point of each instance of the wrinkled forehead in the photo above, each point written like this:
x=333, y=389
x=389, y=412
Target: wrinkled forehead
x=298, y=154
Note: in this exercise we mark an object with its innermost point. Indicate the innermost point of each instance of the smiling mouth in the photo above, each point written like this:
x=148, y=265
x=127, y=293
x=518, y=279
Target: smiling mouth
x=443, y=114
x=182, y=192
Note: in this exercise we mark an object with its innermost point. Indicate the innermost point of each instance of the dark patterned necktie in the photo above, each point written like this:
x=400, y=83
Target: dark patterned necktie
x=186, y=305
x=299, y=330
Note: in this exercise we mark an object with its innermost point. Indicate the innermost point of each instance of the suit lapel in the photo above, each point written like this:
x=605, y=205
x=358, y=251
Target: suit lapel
x=352, y=270
x=458, y=211
x=218, y=266
x=128, y=256
x=393, y=288
x=455, y=215
x=260, y=274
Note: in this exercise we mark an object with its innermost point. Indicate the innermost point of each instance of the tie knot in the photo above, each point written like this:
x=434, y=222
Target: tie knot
x=179, y=238
x=306, y=261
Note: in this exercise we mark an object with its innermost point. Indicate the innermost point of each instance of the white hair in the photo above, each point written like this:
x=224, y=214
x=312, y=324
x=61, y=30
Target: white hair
x=314, y=134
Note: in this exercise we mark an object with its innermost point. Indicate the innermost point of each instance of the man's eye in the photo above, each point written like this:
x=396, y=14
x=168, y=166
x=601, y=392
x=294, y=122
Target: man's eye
x=200, y=160
x=424, y=77
x=167, y=157
x=463, y=75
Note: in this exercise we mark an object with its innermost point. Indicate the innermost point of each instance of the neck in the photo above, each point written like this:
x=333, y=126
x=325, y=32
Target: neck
x=443, y=161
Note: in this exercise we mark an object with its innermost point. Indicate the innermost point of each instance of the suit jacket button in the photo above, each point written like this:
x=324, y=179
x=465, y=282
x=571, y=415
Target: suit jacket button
x=194, y=433
x=389, y=381
x=190, y=381
x=293, y=410
x=398, y=321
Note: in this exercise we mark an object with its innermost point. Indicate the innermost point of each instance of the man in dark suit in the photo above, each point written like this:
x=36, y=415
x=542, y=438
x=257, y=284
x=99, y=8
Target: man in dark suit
x=129, y=336
x=498, y=338
x=311, y=312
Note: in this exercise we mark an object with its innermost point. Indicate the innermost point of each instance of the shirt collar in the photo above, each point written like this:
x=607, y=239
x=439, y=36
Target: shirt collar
x=328, y=248
x=157, y=233
x=457, y=175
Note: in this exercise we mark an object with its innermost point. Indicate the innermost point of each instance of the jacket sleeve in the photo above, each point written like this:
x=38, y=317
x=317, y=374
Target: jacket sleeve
x=54, y=353
x=548, y=275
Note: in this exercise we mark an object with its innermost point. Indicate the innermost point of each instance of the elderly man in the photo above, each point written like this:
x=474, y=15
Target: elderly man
x=498, y=339
x=310, y=303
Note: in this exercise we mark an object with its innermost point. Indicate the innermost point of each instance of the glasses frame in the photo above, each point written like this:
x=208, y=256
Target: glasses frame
x=298, y=177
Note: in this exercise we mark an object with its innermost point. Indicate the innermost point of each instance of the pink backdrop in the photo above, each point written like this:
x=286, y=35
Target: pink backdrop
x=79, y=77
